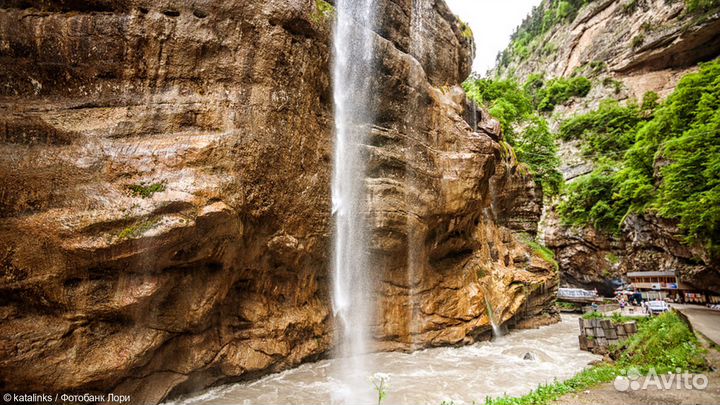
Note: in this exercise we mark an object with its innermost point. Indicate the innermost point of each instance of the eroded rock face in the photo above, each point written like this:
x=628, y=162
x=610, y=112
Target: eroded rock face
x=164, y=195
x=654, y=244
x=587, y=258
x=626, y=49
x=647, y=45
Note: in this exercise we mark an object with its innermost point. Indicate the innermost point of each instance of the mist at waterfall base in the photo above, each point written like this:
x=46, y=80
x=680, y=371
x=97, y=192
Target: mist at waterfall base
x=352, y=280
x=458, y=374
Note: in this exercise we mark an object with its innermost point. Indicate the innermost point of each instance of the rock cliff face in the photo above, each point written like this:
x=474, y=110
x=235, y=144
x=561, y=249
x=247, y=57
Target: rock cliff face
x=164, y=194
x=587, y=258
x=628, y=48
x=645, y=44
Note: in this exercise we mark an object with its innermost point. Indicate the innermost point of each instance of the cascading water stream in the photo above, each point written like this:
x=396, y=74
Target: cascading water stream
x=497, y=330
x=352, y=298
x=415, y=260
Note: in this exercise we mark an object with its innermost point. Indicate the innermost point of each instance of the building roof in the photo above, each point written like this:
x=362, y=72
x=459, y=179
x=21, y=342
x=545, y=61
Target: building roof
x=651, y=274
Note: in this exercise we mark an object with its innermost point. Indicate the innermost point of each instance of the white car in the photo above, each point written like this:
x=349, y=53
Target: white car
x=657, y=307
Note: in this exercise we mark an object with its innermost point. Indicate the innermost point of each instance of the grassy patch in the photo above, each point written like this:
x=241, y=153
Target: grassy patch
x=567, y=306
x=664, y=343
x=146, y=190
x=550, y=392
x=638, y=40
x=323, y=11
x=547, y=254
x=700, y=5
x=137, y=229
x=465, y=29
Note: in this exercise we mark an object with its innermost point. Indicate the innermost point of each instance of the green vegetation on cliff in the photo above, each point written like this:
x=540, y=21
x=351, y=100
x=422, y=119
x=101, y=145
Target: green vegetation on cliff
x=701, y=5
x=523, y=127
x=540, y=20
x=663, y=159
x=521, y=110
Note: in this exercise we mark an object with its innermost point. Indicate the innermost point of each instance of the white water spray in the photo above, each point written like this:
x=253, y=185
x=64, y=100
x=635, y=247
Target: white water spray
x=415, y=259
x=352, y=281
x=497, y=330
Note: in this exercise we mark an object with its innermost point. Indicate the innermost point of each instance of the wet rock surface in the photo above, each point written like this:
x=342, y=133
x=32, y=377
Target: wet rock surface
x=165, y=195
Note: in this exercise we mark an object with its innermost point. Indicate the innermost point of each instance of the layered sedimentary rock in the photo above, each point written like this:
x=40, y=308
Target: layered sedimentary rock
x=587, y=258
x=646, y=44
x=655, y=244
x=626, y=48
x=165, y=194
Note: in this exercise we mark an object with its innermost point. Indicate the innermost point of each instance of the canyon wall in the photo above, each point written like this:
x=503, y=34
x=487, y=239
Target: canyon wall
x=627, y=48
x=165, y=174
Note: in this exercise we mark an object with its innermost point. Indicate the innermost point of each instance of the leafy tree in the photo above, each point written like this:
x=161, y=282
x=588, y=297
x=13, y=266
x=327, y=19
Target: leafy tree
x=560, y=90
x=671, y=163
x=610, y=130
x=524, y=129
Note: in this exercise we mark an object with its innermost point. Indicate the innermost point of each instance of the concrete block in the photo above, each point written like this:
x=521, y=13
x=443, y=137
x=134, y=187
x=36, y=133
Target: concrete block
x=630, y=327
x=611, y=334
x=583, y=340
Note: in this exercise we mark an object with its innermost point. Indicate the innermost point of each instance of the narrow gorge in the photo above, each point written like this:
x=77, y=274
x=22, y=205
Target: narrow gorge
x=608, y=76
x=172, y=197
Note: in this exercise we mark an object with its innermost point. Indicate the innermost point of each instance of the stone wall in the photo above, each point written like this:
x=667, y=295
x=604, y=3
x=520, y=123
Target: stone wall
x=596, y=335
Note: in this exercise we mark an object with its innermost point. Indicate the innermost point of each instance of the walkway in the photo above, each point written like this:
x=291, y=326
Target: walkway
x=704, y=320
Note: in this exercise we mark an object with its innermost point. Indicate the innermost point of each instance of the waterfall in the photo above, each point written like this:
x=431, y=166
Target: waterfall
x=415, y=236
x=352, y=289
x=497, y=330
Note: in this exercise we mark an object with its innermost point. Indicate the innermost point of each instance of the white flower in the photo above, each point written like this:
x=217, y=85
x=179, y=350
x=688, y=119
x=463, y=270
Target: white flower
x=380, y=380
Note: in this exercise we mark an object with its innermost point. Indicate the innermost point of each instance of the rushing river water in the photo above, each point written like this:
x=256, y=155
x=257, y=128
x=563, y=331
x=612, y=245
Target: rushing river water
x=463, y=374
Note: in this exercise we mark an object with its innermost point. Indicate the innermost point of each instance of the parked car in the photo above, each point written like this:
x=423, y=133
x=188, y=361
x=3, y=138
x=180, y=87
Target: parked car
x=657, y=307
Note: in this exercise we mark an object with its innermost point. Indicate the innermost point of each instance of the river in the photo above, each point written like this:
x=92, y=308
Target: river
x=458, y=374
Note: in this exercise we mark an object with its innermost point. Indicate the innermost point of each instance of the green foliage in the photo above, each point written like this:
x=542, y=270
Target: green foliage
x=533, y=144
x=683, y=141
x=597, y=67
x=617, y=85
x=670, y=160
x=536, y=147
x=541, y=19
x=549, y=48
x=465, y=29
x=701, y=5
x=587, y=201
x=663, y=343
x=607, y=131
x=593, y=315
x=381, y=385
x=612, y=258
x=550, y=392
x=146, y=190
x=560, y=90
x=630, y=7
x=505, y=100
x=637, y=41
x=137, y=229
x=547, y=254
x=566, y=305
x=323, y=11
